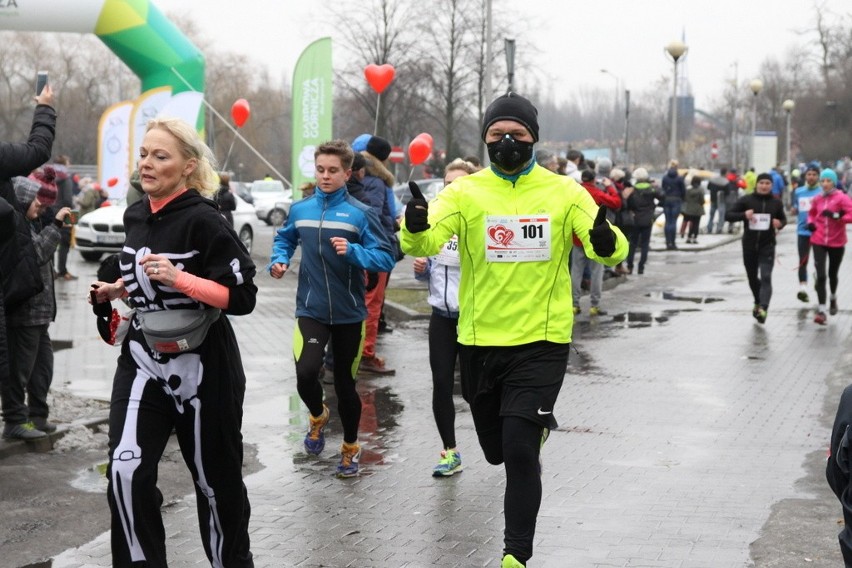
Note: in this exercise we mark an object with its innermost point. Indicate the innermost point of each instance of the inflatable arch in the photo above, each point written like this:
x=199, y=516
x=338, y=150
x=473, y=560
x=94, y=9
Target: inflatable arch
x=135, y=30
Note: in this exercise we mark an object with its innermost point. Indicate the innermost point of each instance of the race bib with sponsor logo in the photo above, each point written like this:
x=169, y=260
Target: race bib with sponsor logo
x=517, y=238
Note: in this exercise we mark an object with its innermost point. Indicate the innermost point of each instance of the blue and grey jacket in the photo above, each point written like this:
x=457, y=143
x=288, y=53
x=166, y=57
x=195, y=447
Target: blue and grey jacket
x=802, y=199
x=331, y=287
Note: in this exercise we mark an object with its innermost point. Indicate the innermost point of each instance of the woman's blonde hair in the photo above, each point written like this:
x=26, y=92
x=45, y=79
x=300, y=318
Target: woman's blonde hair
x=459, y=164
x=204, y=178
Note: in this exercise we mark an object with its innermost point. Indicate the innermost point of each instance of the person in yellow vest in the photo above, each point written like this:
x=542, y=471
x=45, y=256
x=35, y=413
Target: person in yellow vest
x=515, y=221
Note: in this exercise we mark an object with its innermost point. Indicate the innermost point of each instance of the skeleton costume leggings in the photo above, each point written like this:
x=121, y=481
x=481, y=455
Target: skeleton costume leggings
x=199, y=395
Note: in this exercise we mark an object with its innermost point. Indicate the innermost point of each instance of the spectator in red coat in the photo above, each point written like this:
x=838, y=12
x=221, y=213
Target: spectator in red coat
x=605, y=195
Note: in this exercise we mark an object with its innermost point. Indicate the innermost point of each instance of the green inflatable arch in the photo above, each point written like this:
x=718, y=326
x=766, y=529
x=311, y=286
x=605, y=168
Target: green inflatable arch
x=135, y=30
x=151, y=46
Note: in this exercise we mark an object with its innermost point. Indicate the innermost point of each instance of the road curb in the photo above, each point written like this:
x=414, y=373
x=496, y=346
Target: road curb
x=16, y=447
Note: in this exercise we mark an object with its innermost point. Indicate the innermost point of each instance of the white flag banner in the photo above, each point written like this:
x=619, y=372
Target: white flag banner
x=147, y=106
x=113, y=149
x=185, y=105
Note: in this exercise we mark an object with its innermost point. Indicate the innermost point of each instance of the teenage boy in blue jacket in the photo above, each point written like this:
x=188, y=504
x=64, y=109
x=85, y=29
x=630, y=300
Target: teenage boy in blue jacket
x=340, y=239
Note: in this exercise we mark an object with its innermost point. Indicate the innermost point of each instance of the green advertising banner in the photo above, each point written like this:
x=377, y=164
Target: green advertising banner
x=311, y=109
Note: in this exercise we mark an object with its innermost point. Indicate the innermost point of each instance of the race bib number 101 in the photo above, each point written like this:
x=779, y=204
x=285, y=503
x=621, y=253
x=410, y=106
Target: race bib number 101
x=517, y=238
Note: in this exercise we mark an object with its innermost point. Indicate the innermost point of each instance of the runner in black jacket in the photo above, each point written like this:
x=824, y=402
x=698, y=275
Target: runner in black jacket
x=764, y=217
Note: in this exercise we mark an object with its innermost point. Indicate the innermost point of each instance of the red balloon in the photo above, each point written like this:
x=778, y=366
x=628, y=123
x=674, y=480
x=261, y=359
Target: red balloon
x=240, y=112
x=112, y=181
x=418, y=150
x=379, y=76
x=426, y=137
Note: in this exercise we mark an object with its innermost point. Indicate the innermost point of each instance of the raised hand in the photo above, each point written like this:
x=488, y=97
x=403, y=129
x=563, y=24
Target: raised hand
x=417, y=210
x=601, y=235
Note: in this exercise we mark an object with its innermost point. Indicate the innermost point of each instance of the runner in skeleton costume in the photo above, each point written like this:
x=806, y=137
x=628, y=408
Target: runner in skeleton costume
x=179, y=254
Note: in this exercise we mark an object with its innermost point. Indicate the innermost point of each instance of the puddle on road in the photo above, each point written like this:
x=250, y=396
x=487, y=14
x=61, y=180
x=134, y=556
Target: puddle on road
x=380, y=409
x=92, y=479
x=641, y=319
x=695, y=298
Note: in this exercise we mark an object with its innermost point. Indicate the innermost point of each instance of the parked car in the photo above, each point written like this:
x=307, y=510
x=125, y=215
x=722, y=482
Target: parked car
x=244, y=219
x=243, y=189
x=429, y=187
x=271, y=201
x=102, y=231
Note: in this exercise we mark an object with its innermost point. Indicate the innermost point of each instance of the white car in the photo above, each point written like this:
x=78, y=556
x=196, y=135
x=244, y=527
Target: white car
x=102, y=231
x=271, y=201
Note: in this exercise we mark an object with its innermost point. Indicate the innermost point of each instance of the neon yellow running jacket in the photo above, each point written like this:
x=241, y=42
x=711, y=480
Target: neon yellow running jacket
x=514, y=240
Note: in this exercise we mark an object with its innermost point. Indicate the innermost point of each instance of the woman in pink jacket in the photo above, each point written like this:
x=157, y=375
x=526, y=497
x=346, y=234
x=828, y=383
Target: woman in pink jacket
x=827, y=218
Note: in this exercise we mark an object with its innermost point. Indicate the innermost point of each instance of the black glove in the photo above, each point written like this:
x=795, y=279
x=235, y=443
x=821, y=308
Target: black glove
x=811, y=227
x=832, y=214
x=417, y=210
x=601, y=235
x=372, y=280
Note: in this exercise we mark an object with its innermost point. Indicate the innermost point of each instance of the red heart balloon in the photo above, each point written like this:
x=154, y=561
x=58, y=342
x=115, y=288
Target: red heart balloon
x=379, y=76
x=111, y=182
x=418, y=151
x=240, y=112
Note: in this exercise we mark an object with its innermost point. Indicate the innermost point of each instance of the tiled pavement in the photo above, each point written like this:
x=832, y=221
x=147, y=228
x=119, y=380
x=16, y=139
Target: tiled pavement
x=682, y=423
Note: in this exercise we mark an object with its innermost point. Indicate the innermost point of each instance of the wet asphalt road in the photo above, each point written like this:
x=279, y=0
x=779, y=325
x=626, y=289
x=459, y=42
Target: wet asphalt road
x=690, y=437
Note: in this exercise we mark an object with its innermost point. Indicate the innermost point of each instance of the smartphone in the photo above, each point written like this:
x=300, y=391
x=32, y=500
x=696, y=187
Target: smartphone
x=41, y=81
x=72, y=217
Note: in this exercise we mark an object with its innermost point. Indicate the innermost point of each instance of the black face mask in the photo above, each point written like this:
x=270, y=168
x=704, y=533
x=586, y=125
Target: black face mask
x=509, y=154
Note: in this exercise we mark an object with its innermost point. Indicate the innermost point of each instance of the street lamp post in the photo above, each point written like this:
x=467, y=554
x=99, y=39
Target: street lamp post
x=788, y=108
x=626, y=124
x=617, y=105
x=510, y=63
x=756, y=85
x=676, y=50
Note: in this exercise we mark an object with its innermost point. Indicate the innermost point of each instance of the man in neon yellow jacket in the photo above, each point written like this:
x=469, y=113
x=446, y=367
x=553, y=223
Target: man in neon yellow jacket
x=514, y=223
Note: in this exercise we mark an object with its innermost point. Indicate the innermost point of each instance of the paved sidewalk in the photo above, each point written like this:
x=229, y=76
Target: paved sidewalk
x=683, y=423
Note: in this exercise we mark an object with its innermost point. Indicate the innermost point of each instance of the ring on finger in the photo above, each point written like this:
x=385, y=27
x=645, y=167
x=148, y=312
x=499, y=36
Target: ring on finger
x=156, y=270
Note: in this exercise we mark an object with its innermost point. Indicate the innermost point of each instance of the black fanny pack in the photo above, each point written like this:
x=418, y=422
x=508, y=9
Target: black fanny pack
x=176, y=331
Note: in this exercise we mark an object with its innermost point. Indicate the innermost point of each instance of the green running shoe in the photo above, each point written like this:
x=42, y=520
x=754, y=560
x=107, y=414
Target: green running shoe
x=450, y=464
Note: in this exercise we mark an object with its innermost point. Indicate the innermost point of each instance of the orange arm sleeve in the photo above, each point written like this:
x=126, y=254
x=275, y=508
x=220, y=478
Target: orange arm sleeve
x=203, y=290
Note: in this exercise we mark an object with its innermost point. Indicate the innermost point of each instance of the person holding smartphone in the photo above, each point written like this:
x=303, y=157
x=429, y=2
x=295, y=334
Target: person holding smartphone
x=17, y=254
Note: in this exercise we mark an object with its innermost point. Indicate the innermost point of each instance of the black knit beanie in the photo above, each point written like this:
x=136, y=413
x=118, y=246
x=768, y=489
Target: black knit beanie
x=379, y=148
x=512, y=106
x=763, y=176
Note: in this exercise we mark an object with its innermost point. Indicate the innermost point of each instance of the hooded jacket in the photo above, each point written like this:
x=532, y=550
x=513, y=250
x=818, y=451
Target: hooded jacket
x=331, y=287
x=759, y=203
x=830, y=232
x=192, y=233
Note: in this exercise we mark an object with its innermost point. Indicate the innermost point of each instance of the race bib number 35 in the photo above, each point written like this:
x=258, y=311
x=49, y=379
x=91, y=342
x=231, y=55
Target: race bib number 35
x=517, y=238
